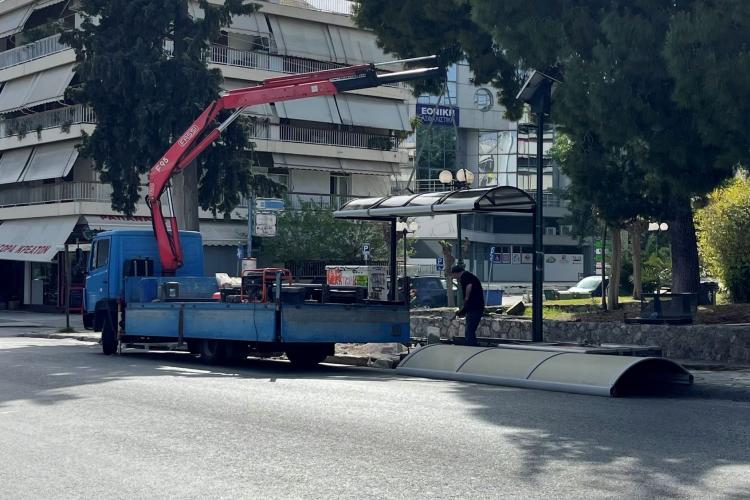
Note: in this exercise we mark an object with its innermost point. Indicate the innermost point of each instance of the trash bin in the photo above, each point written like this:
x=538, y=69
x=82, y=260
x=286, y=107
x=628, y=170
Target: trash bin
x=707, y=293
x=493, y=297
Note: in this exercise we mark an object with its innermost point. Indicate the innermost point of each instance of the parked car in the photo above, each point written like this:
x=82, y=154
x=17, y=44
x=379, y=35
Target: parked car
x=590, y=286
x=430, y=291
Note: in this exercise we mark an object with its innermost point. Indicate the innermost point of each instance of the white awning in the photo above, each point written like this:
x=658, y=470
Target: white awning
x=254, y=23
x=12, y=164
x=217, y=233
x=315, y=109
x=300, y=162
x=14, y=92
x=35, y=240
x=301, y=38
x=110, y=222
x=356, y=46
x=51, y=161
x=13, y=21
x=50, y=85
x=368, y=167
x=340, y=165
x=372, y=112
x=37, y=89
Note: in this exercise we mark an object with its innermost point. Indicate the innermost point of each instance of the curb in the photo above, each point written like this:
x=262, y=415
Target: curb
x=61, y=336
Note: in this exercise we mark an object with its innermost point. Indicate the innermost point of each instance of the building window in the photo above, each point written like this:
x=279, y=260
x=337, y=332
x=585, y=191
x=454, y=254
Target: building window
x=497, y=158
x=341, y=185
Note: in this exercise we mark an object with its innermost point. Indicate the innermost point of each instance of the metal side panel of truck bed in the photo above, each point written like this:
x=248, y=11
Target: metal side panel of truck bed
x=256, y=322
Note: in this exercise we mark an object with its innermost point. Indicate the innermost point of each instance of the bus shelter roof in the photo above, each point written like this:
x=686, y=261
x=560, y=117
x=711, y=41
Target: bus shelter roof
x=499, y=199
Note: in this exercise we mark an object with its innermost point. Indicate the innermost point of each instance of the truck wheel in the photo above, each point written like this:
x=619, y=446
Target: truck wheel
x=211, y=352
x=109, y=337
x=308, y=355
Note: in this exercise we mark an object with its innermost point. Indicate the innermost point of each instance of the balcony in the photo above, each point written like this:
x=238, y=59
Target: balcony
x=226, y=56
x=326, y=137
x=31, y=51
x=62, y=192
x=19, y=195
x=343, y=7
x=62, y=118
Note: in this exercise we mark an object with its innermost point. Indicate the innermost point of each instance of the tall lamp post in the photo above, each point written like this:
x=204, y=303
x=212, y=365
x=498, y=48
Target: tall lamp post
x=537, y=92
x=463, y=180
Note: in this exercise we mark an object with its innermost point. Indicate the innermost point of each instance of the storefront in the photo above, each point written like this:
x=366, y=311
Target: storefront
x=33, y=263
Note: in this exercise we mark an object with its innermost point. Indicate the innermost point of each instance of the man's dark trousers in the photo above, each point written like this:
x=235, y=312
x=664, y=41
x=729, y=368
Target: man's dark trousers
x=470, y=330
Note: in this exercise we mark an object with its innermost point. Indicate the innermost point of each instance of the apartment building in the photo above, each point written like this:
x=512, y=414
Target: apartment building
x=324, y=149
x=465, y=128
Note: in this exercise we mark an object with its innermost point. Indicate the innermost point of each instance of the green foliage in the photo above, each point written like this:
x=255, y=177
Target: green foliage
x=312, y=233
x=657, y=263
x=723, y=228
x=144, y=95
x=629, y=136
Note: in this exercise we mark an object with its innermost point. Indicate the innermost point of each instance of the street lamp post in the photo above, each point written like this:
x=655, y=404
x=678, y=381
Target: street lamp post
x=463, y=180
x=658, y=227
x=537, y=92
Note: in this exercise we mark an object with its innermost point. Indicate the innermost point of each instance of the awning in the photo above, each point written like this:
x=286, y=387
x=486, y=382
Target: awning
x=35, y=240
x=110, y=222
x=373, y=112
x=51, y=161
x=355, y=46
x=12, y=164
x=302, y=38
x=340, y=165
x=254, y=23
x=316, y=109
x=217, y=233
x=12, y=22
x=502, y=199
x=34, y=90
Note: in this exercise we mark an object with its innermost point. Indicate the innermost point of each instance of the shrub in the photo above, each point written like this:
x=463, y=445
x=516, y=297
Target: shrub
x=723, y=229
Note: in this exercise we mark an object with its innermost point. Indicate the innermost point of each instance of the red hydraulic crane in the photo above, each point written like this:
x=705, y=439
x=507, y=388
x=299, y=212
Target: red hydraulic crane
x=203, y=132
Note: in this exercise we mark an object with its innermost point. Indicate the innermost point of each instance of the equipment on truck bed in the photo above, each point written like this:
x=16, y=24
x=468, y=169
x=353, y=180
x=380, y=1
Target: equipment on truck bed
x=203, y=132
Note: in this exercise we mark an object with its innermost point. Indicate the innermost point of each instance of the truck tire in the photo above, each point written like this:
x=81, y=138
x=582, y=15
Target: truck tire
x=308, y=355
x=109, y=337
x=211, y=352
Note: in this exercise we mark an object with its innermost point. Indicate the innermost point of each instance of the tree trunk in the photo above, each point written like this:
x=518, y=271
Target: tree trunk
x=449, y=260
x=185, y=185
x=185, y=195
x=684, y=245
x=636, y=234
x=613, y=292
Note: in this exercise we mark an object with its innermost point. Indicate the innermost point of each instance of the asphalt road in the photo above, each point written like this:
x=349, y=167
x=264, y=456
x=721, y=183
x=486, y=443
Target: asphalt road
x=76, y=424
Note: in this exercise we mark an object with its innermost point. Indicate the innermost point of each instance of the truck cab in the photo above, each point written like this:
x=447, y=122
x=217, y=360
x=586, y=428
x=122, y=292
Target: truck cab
x=119, y=254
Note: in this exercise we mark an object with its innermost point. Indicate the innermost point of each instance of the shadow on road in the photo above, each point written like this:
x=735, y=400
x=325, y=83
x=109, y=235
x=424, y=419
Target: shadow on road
x=667, y=443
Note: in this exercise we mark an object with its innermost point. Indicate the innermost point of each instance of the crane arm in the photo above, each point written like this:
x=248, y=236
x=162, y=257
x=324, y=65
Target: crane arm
x=202, y=132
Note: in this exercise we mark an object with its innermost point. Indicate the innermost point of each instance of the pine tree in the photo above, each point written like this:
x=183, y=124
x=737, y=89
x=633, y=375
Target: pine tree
x=142, y=65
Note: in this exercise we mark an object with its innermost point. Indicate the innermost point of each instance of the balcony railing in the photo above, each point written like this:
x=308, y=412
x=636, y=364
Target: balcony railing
x=291, y=133
x=228, y=56
x=54, y=193
x=343, y=7
x=15, y=195
x=31, y=51
x=64, y=117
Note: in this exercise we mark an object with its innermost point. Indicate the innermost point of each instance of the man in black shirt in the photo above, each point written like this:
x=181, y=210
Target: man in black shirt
x=473, y=307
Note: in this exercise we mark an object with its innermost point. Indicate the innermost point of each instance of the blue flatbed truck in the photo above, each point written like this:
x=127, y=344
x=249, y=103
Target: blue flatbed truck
x=128, y=300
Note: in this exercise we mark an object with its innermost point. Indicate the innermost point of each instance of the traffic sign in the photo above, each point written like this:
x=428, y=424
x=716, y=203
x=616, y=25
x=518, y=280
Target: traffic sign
x=492, y=251
x=440, y=263
x=366, y=250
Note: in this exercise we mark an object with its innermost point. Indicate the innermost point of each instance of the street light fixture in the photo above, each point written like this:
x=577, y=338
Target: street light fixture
x=658, y=227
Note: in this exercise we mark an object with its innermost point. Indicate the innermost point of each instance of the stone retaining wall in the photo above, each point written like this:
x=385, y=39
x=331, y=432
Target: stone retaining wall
x=721, y=343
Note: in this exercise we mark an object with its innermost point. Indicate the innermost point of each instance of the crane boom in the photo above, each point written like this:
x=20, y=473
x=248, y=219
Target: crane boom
x=202, y=131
